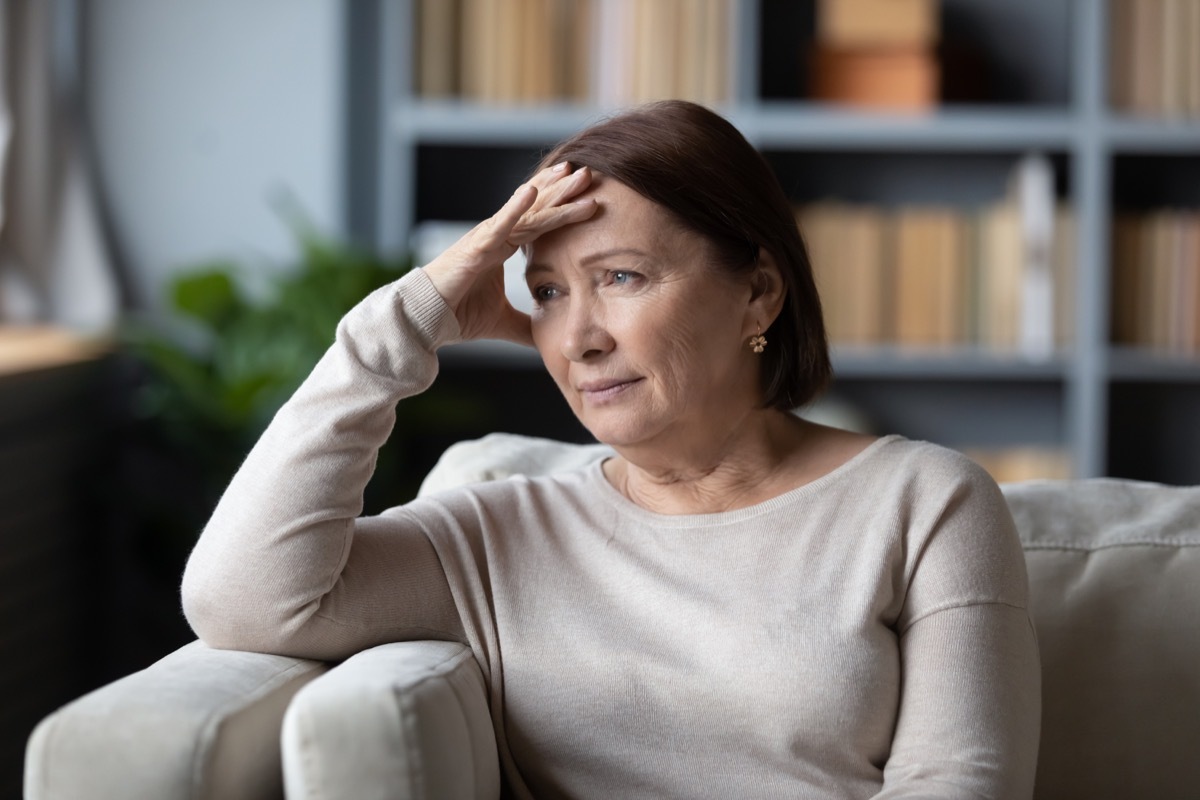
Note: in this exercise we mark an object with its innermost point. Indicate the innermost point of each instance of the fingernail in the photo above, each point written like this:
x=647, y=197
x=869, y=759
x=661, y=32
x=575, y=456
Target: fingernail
x=560, y=166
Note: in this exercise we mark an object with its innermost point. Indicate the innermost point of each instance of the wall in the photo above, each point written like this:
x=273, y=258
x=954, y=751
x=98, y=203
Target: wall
x=206, y=115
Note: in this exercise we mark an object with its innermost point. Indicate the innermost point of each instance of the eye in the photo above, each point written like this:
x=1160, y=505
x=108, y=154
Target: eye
x=544, y=293
x=623, y=277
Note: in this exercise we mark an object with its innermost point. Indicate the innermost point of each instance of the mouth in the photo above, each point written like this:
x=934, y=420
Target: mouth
x=603, y=391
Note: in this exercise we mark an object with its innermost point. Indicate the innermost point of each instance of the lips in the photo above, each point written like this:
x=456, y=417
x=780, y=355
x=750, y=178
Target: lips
x=600, y=391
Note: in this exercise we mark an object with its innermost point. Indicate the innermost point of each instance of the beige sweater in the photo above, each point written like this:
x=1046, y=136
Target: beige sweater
x=865, y=635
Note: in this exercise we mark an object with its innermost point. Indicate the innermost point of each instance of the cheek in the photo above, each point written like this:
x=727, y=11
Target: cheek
x=546, y=342
x=679, y=347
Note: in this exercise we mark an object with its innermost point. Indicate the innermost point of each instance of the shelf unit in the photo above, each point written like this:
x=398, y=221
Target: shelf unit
x=423, y=159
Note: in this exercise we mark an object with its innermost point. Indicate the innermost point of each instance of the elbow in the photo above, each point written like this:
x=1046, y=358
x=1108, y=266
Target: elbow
x=226, y=618
x=214, y=619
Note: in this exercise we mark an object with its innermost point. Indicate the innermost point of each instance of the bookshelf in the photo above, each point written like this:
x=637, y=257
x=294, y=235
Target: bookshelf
x=1111, y=408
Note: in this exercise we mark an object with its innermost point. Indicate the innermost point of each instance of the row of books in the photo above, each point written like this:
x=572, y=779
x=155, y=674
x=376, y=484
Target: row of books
x=1156, y=281
x=1154, y=64
x=605, y=52
x=928, y=277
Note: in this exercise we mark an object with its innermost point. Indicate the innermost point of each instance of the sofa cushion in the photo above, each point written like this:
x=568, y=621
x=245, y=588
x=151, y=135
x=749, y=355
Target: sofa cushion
x=1114, y=571
x=200, y=724
x=500, y=455
x=401, y=721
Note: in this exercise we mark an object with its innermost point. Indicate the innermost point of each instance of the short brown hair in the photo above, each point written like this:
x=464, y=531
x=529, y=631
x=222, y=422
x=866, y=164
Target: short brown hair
x=699, y=167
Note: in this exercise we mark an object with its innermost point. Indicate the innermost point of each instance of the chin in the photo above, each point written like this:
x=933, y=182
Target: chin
x=617, y=433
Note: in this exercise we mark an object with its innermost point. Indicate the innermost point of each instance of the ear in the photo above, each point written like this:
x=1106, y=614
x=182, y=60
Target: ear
x=767, y=293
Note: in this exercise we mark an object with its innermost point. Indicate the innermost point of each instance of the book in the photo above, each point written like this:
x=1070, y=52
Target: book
x=931, y=258
x=999, y=269
x=1120, y=48
x=1156, y=281
x=848, y=247
x=539, y=68
x=820, y=228
x=480, y=49
x=896, y=79
x=868, y=280
x=1172, y=98
x=1184, y=276
x=577, y=33
x=1155, y=271
x=1191, y=66
x=1122, y=302
x=1146, y=47
x=437, y=43
x=713, y=49
x=1064, y=258
x=1154, y=61
x=906, y=24
x=1190, y=291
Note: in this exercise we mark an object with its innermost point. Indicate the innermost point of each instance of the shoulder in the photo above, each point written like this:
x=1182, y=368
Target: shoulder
x=472, y=492
x=913, y=458
x=959, y=541
x=913, y=474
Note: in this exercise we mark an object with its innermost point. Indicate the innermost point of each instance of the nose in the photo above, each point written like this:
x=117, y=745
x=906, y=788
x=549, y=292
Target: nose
x=585, y=337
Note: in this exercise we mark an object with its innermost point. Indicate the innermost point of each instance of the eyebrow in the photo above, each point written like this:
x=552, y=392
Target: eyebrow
x=534, y=267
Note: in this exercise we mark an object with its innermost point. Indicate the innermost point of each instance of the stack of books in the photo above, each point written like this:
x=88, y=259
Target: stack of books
x=604, y=52
x=1156, y=281
x=1155, y=57
x=920, y=277
x=877, y=54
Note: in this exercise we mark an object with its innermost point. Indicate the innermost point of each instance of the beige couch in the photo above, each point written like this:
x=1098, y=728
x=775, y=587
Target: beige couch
x=1115, y=575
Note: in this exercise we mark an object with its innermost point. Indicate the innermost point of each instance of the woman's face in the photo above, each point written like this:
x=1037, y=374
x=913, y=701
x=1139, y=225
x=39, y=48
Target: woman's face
x=644, y=335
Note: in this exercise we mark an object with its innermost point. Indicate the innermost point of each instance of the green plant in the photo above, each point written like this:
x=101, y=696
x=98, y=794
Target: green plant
x=210, y=389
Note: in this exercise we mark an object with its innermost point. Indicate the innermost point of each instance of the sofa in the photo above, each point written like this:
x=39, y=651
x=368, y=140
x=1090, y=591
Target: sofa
x=1114, y=569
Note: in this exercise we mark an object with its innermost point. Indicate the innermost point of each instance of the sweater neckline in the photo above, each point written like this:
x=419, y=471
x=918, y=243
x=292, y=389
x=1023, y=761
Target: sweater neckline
x=627, y=507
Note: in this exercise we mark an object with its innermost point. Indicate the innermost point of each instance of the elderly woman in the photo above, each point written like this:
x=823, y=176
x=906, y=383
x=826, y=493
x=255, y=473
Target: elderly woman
x=739, y=603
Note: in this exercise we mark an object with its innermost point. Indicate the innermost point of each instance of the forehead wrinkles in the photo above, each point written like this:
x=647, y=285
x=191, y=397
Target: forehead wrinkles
x=633, y=247
x=624, y=219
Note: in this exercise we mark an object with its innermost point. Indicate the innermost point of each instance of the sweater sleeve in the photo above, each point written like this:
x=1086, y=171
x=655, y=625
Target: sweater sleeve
x=970, y=701
x=285, y=564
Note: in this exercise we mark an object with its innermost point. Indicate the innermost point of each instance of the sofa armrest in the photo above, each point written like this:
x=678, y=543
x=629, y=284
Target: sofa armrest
x=199, y=723
x=402, y=720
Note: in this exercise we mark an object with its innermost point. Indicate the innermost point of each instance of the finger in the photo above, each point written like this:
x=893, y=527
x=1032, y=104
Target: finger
x=510, y=213
x=534, y=224
x=564, y=188
x=492, y=235
x=549, y=175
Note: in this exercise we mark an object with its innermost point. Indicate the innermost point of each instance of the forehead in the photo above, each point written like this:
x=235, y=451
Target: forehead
x=623, y=218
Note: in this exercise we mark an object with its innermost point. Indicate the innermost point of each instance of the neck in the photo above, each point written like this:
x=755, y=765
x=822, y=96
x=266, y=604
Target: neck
x=707, y=476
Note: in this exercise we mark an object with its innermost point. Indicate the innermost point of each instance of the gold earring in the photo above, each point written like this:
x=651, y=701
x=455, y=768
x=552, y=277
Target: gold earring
x=758, y=341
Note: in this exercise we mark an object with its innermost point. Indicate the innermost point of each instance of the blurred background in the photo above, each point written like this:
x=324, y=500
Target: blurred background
x=1001, y=197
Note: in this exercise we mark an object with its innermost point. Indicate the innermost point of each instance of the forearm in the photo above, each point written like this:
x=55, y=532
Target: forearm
x=278, y=541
